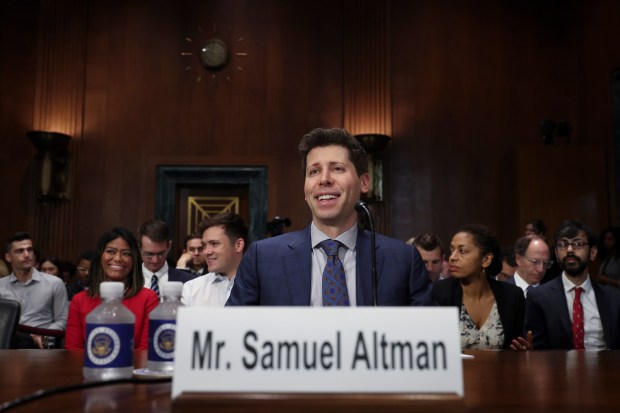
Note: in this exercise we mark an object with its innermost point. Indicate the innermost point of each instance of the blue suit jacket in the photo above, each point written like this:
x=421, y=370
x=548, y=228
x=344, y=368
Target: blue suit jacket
x=278, y=271
x=546, y=314
x=179, y=275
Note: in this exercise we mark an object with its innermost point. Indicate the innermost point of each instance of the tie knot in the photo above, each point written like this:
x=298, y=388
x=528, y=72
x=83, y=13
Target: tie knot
x=330, y=247
x=578, y=292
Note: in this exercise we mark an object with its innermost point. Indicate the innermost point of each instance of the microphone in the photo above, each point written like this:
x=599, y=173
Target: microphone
x=360, y=206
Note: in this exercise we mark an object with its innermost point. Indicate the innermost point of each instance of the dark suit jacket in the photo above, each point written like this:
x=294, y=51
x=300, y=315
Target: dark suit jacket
x=278, y=271
x=179, y=275
x=546, y=314
x=509, y=299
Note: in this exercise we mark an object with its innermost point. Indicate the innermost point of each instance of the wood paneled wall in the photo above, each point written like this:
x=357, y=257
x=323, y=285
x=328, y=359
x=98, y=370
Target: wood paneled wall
x=469, y=82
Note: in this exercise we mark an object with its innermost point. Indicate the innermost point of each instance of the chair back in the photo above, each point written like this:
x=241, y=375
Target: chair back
x=10, y=311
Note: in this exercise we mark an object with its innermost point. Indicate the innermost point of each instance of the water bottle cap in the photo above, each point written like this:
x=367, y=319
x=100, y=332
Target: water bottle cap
x=171, y=288
x=111, y=289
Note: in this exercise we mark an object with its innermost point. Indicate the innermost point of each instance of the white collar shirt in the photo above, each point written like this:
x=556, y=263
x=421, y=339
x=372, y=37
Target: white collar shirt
x=594, y=338
x=521, y=283
x=346, y=254
x=210, y=290
x=162, y=275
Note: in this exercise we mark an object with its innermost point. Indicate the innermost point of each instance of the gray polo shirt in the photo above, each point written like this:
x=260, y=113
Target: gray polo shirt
x=43, y=299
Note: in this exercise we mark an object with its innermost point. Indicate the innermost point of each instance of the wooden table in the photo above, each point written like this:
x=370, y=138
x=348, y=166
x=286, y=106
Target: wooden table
x=495, y=381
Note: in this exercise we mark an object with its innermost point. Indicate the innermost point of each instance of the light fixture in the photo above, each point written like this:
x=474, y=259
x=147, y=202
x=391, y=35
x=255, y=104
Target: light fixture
x=373, y=144
x=53, y=164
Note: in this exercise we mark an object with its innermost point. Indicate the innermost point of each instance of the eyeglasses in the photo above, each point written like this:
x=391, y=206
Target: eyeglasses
x=577, y=244
x=536, y=263
x=151, y=255
x=83, y=269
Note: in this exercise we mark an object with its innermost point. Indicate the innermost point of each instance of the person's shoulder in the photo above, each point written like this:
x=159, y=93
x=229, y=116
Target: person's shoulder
x=290, y=238
x=175, y=274
x=49, y=278
x=203, y=279
x=445, y=285
x=392, y=244
x=608, y=290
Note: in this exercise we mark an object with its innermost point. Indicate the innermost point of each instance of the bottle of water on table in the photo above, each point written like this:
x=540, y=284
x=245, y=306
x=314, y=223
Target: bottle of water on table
x=162, y=329
x=109, y=343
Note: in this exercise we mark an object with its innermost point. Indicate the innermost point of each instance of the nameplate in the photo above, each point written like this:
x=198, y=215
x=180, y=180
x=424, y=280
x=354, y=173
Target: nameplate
x=318, y=350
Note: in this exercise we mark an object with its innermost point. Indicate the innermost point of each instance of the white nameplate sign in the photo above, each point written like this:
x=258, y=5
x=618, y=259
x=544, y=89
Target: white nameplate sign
x=318, y=350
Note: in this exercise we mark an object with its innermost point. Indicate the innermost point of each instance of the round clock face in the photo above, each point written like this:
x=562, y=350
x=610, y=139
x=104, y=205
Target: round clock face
x=214, y=54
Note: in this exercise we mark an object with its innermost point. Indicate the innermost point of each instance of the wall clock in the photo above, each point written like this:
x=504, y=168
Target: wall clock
x=214, y=54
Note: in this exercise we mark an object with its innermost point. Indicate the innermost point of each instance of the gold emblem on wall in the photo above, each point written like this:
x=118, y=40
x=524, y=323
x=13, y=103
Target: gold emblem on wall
x=201, y=207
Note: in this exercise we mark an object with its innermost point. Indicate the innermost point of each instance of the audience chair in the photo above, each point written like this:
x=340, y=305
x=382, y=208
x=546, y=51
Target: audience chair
x=57, y=335
x=10, y=311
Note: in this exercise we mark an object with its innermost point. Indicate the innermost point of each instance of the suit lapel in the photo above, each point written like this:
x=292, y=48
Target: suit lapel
x=297, y=264
x=604, y=312
x=558, y=300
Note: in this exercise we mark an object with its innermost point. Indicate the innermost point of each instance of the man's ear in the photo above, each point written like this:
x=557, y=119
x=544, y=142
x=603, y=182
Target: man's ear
x=239, y=245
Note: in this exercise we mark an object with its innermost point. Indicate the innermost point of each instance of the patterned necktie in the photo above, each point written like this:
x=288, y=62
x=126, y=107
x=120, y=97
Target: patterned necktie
x=578, y=321
x=334, y=281
x=155, y=285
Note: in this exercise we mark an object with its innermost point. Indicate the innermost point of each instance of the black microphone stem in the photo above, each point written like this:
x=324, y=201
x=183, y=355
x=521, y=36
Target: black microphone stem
x=361, y=206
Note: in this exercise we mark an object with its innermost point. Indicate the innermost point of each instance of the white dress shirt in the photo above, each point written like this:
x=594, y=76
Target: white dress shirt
x=210, y=290
x=521, y=283
x=593, y=338
x=319, y=260
x=162, y=275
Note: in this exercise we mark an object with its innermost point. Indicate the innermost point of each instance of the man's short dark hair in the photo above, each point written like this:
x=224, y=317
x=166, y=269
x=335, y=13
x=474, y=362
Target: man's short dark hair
x=428, y=242
x=191, y=236
x=335, y=136
x=508, y=254
x=571, y=229
x=18, y=236
x=233, y=224
x=156, y=230
x=87, y=255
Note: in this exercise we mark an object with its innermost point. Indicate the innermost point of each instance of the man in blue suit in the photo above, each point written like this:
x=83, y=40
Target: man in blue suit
x=289, y=269
x=563, y=318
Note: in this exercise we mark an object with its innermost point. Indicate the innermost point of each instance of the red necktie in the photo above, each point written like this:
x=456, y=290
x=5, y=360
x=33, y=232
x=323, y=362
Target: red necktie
x=578, y=321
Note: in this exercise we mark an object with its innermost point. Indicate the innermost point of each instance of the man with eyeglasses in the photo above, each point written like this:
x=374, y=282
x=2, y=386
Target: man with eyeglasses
x=571, y=311
x=155, y=243
x=532, y=257
x=192, y=260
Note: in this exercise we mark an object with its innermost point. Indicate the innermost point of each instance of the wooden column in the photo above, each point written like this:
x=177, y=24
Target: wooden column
x=367, y=83
x=58, y=107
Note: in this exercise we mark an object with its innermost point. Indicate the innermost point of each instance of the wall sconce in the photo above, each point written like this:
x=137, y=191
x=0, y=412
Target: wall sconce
x=373, y=144
x=53, y=164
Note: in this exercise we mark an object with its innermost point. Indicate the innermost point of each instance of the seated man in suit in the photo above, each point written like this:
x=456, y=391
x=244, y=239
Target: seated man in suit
x=155, y=243
x=329, y=262
x=572, y=311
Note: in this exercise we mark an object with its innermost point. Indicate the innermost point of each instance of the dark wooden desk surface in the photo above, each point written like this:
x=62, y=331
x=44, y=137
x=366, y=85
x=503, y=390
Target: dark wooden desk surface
x=495, y=381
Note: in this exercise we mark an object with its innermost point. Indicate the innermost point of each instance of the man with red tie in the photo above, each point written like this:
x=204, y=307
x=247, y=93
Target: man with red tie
x=572, y=311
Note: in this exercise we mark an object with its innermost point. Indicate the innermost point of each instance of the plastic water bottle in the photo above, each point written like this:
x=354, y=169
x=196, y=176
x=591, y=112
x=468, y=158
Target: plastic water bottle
x=109, y=343
x=162, y=328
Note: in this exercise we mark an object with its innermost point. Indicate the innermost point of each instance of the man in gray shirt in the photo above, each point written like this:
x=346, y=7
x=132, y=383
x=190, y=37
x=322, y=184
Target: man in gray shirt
x=43, y=297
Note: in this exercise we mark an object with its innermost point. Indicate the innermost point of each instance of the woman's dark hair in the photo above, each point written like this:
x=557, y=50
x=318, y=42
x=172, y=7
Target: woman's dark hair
x=602, y=252
x=135, y=280
x=486, y=240
x=54, y=260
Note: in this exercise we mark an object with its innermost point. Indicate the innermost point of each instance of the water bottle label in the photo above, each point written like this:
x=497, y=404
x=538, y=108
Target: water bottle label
x=109, y=345
x=161, y=340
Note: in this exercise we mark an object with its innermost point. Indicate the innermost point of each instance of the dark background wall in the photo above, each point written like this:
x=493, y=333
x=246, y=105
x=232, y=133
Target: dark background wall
x=470, y=83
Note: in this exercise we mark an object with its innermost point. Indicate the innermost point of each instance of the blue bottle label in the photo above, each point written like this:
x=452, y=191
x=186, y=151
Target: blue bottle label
x=109, y=345
x=161, y=340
